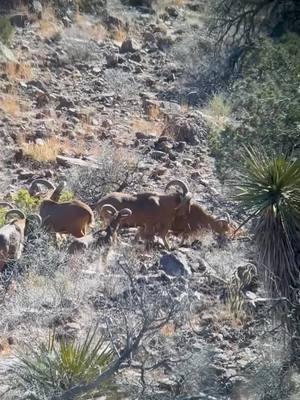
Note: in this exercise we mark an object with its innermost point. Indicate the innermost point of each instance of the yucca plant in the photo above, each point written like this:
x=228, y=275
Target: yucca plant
x=269, y=189
x=54, y=367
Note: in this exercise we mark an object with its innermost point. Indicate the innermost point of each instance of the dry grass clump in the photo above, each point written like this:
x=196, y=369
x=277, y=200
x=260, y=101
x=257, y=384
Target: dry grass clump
x=217, y=112
x=94, y=31
x=49, y=26
x=17, y=71
x=10, y=105
x=119, y=35
x=145, y=126
x=48, y=151
x=51, y=148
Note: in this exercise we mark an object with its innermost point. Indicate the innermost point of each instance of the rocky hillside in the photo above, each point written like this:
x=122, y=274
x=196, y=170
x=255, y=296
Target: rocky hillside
x=105, y=100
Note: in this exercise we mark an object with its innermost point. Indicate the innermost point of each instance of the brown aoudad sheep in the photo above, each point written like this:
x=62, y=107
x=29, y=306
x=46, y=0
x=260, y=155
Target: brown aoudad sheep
x=198, y=219
x=150, y=210
x=12, y=234
x=72, y=217
x=103, y=236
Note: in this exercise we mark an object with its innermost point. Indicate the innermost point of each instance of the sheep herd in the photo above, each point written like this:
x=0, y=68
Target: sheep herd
x=152, y=213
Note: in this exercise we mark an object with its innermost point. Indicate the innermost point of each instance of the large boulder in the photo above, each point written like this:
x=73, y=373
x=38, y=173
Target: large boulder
x=175, y=264
x=189, y=129
x=140, y=3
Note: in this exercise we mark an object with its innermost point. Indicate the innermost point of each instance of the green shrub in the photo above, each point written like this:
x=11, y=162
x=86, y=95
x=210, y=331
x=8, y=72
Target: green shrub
x=25, y=202
x=66, y=196
x=6, y=30
x=3, y=211
x=219, y=107
x=91, y=6
x=54, y=367
x=265, y=104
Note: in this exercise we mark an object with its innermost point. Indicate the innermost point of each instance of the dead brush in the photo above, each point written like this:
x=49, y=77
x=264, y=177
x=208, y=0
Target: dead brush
x=243, y=279
x=93, y=30
x=10, y=104
x=18, y=71
x=49, y=26
x=48, y=151
x=119, y=35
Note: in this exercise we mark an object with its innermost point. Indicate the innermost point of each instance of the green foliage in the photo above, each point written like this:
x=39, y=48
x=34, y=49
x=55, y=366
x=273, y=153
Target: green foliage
x=270, y=183
x=265, y=104
x=3, y=211
x=25, y=202
x=53, y=368
x=269, y=187
x=6, y=30
x=219, y=107
x=66, y=196
x=91, y=6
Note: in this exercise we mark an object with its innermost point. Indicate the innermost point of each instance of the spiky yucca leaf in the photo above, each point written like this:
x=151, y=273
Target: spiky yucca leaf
x=51, y=368
x=269, y=188
x=270, y=183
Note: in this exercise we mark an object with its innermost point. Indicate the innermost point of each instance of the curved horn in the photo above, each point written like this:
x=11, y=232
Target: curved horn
x=227, y=217
x=109, y=209
x=125, y=212
x=177, y=182
x=6, y=204
x=35, y=217
x=16, y=212
x=48, y=184
x=57, y=192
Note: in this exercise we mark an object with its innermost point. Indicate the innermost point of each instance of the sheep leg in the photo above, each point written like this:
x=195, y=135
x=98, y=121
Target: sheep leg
x=140, y=233
x=167, y=246
x=183, y=239
x=163, y=234
x=147, y=233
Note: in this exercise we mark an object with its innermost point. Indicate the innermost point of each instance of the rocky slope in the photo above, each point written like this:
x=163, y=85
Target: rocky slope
x=119, y=80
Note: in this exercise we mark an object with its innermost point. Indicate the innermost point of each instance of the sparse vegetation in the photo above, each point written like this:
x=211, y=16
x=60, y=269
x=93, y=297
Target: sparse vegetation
x=49, y=24
x=10, y=105
x=116, y=171
x=196, y=321
x=51, y=368
x=24, y=201
x=18, y=71
x=6, y=30
x=45, y=152
x=242, y=22
x=265, y=105
x=269, y=189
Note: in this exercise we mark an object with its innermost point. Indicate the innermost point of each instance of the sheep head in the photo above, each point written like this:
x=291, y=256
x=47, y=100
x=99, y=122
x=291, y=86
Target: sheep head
x=185, y=204
x=226, y=227
x=34, y=190
x=109, y=211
